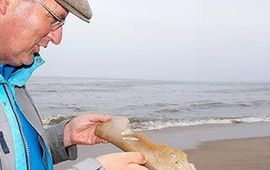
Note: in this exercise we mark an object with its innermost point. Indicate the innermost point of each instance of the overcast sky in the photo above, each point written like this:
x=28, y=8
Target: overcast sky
x=198, y=40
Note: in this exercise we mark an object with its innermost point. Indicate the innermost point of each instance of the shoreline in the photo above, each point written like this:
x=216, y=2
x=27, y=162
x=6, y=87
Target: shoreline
x=192, y=136
x=195, y=140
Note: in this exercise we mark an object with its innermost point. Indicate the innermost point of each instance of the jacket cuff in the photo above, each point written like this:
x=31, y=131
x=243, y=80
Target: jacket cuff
x=88, y=164
x=55, y=135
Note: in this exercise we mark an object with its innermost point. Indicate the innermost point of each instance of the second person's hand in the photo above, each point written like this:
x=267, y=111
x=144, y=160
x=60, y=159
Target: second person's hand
x=123, y=161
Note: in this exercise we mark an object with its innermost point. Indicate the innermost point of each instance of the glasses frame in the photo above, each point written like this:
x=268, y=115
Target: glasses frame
x=59, y=23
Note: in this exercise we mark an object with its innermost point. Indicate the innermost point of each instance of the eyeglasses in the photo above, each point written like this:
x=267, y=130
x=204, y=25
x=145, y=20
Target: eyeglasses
x=59, y=21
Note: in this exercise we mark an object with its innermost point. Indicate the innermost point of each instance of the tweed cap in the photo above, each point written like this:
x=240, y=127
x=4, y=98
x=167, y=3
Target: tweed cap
x=80, y=8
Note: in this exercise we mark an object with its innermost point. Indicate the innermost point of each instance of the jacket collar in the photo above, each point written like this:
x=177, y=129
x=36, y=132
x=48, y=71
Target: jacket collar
x=19, y=76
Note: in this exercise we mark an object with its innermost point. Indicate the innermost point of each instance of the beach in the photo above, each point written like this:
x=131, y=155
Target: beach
x=235, y=154
x=221, y=125
x=210, y=147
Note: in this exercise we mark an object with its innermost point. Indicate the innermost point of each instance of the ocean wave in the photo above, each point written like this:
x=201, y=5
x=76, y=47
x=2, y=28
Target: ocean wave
x=67, y=107
x=143, y=124
x=209, y=105
x=260, y=102
x=167, y=111
x=248, y=88
x=55, y=119
x=46, y=91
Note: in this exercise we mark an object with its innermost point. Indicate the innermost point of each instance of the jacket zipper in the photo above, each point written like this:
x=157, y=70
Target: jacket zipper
x=13, y=106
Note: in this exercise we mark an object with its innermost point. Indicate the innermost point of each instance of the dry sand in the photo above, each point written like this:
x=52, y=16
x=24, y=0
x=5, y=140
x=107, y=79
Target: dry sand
x=207, y=147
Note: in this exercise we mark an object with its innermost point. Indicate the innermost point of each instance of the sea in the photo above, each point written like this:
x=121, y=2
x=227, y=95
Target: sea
x=151, y=104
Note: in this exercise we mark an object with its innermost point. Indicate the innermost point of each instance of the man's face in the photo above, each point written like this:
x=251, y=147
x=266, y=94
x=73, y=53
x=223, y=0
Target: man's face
x=28, y=26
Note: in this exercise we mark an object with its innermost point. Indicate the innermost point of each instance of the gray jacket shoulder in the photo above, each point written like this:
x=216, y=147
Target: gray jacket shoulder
x=53, y=136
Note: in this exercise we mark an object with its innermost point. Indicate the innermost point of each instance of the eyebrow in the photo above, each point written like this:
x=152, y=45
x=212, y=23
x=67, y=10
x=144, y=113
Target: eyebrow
x=49, y=14
x=54, y=9
x=62, y=16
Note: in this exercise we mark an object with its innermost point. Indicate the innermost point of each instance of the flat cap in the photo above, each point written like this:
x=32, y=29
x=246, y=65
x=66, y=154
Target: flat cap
x=80, y=8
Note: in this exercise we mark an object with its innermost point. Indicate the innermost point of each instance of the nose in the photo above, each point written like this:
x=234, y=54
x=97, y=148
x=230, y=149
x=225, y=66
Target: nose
x=56, y=35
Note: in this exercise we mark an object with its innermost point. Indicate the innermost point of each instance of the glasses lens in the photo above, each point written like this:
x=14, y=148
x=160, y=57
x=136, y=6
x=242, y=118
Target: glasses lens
x=57, y=25
x=59, y=22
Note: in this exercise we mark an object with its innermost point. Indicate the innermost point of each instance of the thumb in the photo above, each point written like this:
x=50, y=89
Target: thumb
x=135, y=157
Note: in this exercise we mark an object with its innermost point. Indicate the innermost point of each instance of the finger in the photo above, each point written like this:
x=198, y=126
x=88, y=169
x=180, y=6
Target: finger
x=97, y=118
x=135, y=157
x=100, y=140
x=134, y=166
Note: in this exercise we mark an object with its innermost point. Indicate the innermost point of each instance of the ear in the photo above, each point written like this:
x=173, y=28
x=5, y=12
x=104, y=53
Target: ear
x=3, y=6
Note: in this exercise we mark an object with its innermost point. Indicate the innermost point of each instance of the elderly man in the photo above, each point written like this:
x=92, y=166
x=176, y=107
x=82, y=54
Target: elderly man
x=25, y=26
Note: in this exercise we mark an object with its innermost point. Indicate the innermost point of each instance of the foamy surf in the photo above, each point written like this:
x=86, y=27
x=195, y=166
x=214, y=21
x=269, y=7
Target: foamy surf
x=143, y=124
x=154, y=124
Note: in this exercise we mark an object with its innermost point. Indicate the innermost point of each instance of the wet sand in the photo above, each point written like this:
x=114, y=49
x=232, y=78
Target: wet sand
x=237, y=154
x=209, y=147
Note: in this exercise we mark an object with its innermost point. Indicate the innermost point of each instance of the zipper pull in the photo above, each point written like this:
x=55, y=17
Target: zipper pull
x=3, y=143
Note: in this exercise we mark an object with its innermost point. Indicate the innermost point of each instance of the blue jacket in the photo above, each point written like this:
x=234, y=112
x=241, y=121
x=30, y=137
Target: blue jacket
x=13, y=152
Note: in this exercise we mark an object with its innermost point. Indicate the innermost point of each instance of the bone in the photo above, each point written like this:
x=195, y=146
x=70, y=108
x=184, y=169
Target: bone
x=159, y=157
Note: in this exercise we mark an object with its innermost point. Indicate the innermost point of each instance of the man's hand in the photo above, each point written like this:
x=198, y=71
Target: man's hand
x=80, y=130
x=123, y=161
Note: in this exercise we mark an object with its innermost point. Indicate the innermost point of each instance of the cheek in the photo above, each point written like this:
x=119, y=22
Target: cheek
x=37, y=26
x=31, y=20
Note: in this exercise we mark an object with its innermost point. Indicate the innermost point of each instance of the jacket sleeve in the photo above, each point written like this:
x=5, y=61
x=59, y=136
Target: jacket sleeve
x=55, y=137
x=87, y=164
